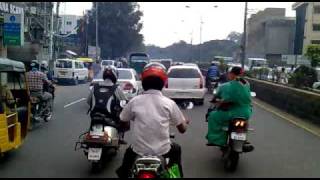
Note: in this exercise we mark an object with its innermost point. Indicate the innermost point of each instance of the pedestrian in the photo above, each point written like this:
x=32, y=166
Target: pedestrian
x=96, y=67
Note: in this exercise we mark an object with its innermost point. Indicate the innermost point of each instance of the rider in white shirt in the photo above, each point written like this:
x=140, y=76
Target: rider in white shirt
x=151, y=115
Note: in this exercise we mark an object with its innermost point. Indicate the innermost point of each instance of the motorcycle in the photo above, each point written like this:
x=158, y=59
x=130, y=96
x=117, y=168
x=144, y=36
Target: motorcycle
x=237, y=133
x=41, y=109
x=146, y=167
x=213, y=83
x=100, y=140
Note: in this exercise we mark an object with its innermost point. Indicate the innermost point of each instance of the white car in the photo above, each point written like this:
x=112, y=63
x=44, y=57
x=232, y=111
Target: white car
x=129, y=82
x=185, y=83
x=127, y=79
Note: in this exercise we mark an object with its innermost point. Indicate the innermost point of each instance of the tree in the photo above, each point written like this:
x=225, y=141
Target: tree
x=119, y=28
x=235, y=37
x=313, y=53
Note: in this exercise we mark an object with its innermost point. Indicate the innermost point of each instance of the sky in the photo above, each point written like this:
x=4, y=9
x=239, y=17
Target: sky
x=165, y=23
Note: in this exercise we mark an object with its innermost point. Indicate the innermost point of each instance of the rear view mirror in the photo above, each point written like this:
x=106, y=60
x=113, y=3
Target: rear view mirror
x=253, y=94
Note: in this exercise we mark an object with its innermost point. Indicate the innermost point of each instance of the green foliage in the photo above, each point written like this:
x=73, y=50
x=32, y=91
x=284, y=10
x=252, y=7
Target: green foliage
x=183, y=51
x=303, y=77
x=119, y=28
x=313, y=53
x=261, y=73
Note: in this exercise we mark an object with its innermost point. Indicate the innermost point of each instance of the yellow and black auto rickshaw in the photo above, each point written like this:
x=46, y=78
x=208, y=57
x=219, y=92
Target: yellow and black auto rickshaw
x=14, y=105
x=88, y=64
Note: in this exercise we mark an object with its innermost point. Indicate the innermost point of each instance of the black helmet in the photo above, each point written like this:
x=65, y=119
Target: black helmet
x=34, y=64
x=111, y=73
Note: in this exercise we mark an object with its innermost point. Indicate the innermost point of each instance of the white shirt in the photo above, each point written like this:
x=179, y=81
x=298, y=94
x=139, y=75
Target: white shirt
x=151, y=114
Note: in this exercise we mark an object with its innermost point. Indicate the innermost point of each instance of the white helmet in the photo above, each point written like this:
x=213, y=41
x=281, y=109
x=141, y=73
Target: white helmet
x=44, y=64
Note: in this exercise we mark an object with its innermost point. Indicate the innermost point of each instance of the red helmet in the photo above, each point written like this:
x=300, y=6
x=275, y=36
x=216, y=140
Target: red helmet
x=155, y=69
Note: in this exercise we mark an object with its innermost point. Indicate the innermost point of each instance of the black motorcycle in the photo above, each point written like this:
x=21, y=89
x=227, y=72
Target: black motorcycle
x=237, y=135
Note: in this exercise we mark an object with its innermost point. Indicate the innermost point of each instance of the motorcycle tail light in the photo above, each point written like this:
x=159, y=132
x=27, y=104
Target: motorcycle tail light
x=146, y=175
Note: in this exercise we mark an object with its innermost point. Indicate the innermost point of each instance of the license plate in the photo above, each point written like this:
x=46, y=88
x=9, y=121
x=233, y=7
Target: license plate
x=239, y=136
x=94, y=154
x=62, y=73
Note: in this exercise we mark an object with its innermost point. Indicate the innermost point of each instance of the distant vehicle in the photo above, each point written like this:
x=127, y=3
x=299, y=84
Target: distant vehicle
x=257, y=62
x=226, y=60
x=177, y=63
x=166, y=62
x=137, y=61
x=110, y=62
x=70, y=70
x=185, y=83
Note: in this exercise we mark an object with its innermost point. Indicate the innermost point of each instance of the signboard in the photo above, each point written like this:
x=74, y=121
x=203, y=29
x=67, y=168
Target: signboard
x=13, y=30
x=92, y=52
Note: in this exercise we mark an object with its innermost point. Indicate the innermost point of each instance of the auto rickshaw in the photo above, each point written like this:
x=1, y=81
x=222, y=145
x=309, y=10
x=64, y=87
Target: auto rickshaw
x=14, y=105
x=88, y=64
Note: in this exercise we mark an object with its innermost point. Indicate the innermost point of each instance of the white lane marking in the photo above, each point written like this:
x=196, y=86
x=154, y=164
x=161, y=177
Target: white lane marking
x=70, y=104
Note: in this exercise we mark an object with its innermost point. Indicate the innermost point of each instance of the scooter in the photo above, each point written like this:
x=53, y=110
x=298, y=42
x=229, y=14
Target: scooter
x=146, y=167
x=101, y=139
x=237, y=133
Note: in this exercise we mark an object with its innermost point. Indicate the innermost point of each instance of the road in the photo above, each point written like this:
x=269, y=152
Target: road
x=282, y=149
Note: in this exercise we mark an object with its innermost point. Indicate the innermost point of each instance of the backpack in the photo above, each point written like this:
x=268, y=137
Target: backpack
x=103, y=95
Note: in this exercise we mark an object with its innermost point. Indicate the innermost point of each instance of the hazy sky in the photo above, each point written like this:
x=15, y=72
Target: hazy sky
x=167, y=22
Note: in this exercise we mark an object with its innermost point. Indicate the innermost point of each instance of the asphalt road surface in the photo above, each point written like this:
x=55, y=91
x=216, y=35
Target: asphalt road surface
x=281, y=149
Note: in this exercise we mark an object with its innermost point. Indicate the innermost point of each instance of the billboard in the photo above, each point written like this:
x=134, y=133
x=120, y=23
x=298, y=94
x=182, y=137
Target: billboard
x=92, y=52
x=295, y=59
x=13, y=29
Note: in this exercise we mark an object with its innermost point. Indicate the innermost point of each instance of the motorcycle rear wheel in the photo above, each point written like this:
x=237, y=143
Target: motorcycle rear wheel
x=231, y=161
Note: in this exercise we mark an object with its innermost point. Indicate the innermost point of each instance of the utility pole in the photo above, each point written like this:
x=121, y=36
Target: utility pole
x=244, y=36
x=51, y=36
x=57, y=27
x=200, y=39
x=97, y=35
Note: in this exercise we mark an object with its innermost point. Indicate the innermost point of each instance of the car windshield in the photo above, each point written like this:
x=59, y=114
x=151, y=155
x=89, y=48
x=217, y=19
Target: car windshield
x=125, y=74
x=184, y=73
x=64, y=64
x=107, y=63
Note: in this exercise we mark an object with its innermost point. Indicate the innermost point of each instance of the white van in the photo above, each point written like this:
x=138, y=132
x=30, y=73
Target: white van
x=70, y=70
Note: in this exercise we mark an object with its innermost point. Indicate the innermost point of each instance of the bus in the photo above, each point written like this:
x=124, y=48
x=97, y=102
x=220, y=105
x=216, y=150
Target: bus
x=137, y=61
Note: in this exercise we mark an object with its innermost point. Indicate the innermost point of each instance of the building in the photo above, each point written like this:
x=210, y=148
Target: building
x=37, y=17
x=68, y=24
x=307, y=25
x=270, y=35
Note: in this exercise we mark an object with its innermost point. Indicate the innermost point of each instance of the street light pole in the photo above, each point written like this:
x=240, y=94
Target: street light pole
x=244, y=36
x=97, y=35
x=200, y=38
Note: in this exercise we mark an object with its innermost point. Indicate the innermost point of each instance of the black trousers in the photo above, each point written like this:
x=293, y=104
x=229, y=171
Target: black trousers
x=130, y=156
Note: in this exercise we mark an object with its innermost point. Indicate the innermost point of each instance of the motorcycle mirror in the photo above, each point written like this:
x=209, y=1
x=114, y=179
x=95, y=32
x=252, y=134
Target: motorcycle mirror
x=90, y=88
x=123, y=103
x=253, y=94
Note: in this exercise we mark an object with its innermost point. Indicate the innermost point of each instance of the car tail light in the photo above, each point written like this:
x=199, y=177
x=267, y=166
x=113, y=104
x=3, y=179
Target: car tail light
x=146, y=175
x=128, y=87
x=201, y=83
x=166, y=84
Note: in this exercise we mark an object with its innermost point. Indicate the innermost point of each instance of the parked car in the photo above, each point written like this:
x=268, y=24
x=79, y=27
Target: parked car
x=127, y=79
x=185, y=82
x=70, y=70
